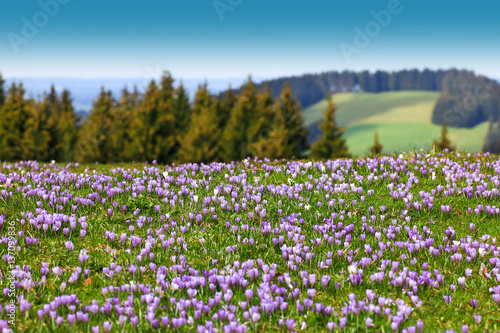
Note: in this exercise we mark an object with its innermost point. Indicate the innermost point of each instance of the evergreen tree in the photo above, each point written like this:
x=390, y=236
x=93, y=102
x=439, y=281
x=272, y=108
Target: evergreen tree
x=377, y=147
x=235, y=136
x=2, y=91
x=58, y=119
x=66, y=128
x=260, y=129
x=201, y=142
x=94, y=141
x=35, y=137
x=182, y=118
x=19, y=124
x=123, y=114
x=49, y=110
x=164, y=138
x=443, y=142
x=152, y=130
x=224, y=104
x=492, y=140
x=288, y=136
x=331, y=143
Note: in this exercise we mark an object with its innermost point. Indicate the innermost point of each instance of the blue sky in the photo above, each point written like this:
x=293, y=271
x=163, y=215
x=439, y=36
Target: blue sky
x=132, y=39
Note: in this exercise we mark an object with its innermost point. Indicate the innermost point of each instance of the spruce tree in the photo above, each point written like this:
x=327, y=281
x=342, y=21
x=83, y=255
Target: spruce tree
x=66, y=128
x=122, y=115
x=235, y=136
x=201, y=142
x=224, y=104
x=58, y=118
x=377, y=147
x=2, y=91
x=19, y=124
x=152, y=130
x=331, y=143
x=443, y=142
x=94, y=141
x=50, y=112
x=182, y=119
x=261, y=127
x=35, y=135
x=49, y=109
x=288, y=136
x=492, y=140
x=164, y=137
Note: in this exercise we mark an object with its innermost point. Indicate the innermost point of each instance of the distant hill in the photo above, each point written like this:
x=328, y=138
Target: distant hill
x=312, y=88
x=402, y=119
x=467, y=100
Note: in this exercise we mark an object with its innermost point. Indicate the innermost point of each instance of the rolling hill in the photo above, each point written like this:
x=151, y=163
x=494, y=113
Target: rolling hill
x=402, y=119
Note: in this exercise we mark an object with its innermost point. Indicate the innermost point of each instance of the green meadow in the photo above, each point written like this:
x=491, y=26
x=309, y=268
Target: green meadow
x=402, y=119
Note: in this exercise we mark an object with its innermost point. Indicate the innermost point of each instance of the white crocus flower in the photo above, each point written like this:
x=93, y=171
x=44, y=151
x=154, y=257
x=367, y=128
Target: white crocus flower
x=352, y=269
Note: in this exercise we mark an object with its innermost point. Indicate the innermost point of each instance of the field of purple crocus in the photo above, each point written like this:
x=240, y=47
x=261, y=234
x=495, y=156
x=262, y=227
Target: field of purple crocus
x=402, y=243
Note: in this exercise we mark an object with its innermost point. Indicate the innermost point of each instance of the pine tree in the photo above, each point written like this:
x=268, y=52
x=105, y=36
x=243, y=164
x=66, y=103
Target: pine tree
x=331, y=143
x=443, y=142
x=288, y=136
x=94, y=141
x=235, y=136
x=202, y=142
x=377, y=147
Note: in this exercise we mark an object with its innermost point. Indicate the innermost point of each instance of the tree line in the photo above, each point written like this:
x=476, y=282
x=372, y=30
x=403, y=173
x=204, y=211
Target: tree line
x=161, y=124
x=312, y=88
x=468, y=100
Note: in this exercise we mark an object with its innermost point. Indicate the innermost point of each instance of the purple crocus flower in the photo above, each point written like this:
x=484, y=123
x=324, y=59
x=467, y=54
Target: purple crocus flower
x=496, y=299
x=83, y=256
x=420, y=326
x=107, y=325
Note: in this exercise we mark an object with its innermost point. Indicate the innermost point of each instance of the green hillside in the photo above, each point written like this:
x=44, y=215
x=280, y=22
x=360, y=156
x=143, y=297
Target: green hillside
x=402, y=119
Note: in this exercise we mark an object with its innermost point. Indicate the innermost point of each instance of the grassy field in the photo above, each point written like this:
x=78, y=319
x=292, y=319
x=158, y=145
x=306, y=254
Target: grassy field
x=388, y=244
x=402, y=120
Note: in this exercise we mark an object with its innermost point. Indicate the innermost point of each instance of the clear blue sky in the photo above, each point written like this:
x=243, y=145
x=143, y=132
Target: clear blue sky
x=135, y=39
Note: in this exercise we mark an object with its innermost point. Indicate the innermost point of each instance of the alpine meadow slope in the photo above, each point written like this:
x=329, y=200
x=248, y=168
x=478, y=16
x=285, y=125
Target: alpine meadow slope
x=403, y=120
